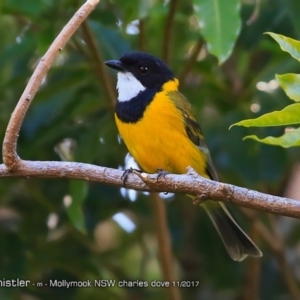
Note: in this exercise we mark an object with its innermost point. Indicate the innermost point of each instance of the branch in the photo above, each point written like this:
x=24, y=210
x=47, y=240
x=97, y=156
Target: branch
x=282, y=260
x=168, y=29
x=277, y=246
x=142, y=38
x=10, y=156
x=190, y=183
x=165, y=254
x=191, y=61
x=97, y=64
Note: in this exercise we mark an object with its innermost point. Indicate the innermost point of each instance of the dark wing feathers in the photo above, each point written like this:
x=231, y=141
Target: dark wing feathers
x=193, y=130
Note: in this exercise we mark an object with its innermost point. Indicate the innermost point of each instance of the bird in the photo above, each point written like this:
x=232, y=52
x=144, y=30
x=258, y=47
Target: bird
x=160, y=130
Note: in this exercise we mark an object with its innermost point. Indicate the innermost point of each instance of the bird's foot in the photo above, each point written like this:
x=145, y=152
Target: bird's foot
x=161, y=173
x=126, y=173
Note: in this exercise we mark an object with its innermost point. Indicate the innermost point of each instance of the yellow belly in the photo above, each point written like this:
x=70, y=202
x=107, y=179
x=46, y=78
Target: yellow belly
x=159, y=139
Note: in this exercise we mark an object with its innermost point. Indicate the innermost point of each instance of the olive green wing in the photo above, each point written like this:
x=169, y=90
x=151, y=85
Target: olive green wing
x=193, y=130
x=236, y=241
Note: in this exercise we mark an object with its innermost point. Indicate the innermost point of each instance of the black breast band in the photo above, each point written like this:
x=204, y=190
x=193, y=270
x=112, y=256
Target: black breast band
x=132, y=110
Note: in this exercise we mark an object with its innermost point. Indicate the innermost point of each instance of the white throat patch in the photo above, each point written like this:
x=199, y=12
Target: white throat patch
x=128, y=86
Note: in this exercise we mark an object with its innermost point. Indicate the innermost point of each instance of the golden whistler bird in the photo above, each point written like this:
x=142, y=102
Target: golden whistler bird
x=160, y=131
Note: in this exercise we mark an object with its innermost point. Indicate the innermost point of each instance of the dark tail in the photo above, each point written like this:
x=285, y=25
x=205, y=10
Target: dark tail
x=236, y=241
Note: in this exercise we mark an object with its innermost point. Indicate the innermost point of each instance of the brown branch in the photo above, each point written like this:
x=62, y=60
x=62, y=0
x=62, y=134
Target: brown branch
x=164, y=245
x=277, y=246
x=97, y=64
x=287, y=275
x=168, y=29
x=191, y=61
x=10, y=156
x=286, y=271
x=255, y=13
x=142, y=38
x=190, y=183
x=251, y=287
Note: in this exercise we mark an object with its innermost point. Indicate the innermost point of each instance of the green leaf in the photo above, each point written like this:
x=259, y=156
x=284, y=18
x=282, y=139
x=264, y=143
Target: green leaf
x=30, y=7
x=289, y=115
x=290, y=83
x=78, y=192
x=289, y=139
x=220, y=25
x=287, y=44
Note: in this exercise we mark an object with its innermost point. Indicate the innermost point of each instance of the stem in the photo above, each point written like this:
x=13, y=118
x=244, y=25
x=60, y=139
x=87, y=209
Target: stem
x=191, y=61
x=97, y=64
x=168, y=29
x=164, y=244
x=142, y=38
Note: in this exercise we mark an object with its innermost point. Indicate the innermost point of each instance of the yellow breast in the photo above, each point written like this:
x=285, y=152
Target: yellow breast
x=159, y=139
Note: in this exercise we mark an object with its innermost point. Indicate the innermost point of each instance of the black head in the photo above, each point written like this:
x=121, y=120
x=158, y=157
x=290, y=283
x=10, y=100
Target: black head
x=148, y=69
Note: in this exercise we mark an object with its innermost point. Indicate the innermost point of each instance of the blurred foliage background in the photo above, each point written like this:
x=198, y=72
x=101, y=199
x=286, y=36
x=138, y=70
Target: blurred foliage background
x=72, y=230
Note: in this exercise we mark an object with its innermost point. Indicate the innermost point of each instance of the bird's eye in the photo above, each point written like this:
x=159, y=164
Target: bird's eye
x=143, y=70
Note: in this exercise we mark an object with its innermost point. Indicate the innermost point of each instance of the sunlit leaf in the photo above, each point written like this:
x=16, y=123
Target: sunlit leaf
x=287, y=44
x=220, y=25
x=290, y=84
x=289, y=139
x=287, y=116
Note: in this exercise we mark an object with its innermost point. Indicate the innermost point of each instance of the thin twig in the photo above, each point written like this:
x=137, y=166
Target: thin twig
x=251, y=288
x=142, y=38
x=164, y=245
x=286, y=272
x=168, y=29
x=191, y=61
x=276, y=244
x=254, y=14
x=97, y=64
x=190, y=183
x=10, y=156
x=287, y=275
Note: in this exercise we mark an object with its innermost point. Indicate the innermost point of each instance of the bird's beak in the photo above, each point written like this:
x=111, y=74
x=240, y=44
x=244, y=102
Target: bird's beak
x=115, y=64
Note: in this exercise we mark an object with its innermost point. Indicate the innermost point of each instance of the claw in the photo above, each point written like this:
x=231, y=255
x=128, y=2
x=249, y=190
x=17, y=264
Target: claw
x=161, y=173
x=126, y=174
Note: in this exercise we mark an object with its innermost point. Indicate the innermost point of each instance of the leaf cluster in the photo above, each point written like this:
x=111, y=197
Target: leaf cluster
x=288, y=116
